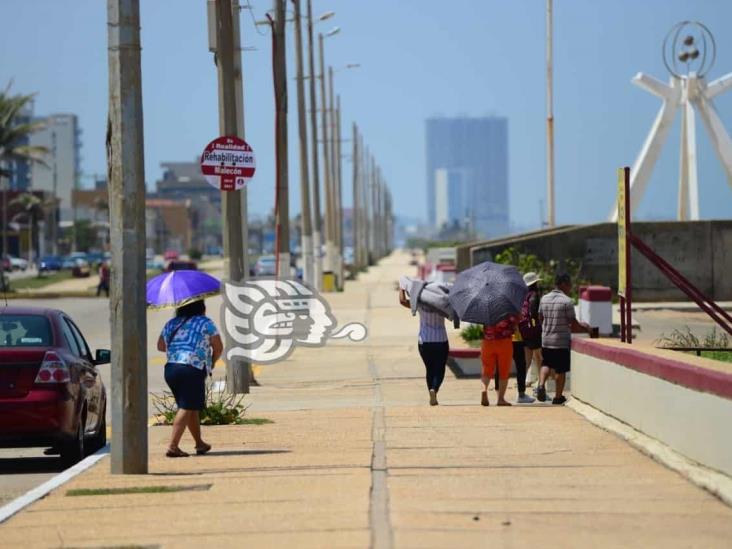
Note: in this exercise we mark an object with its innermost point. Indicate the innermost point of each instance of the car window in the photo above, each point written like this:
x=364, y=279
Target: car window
x=70, y=339
x=80, y=340
x=24, y=331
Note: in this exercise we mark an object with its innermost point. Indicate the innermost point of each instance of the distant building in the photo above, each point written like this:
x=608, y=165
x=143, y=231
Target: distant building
x=61, y=136
x=184, y=181
x=168, y=225
x=467, y=173
x=167, y=222
x=20, y=170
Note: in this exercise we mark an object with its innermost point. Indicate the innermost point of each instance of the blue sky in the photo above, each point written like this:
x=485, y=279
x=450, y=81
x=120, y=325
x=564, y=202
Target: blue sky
x=419, y=58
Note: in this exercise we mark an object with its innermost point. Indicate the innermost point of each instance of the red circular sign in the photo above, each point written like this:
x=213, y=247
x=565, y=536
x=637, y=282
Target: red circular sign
x=228, y=163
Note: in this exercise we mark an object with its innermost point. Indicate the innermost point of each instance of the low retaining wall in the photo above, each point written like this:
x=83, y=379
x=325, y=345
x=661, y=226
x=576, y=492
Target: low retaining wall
x=674, y=399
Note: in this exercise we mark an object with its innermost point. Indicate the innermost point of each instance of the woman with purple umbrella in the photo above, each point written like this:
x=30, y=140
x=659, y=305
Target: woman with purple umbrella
x=192, y=345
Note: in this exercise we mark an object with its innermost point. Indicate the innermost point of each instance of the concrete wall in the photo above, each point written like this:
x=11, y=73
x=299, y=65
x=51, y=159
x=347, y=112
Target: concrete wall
x=685, y=406
x=700, y=250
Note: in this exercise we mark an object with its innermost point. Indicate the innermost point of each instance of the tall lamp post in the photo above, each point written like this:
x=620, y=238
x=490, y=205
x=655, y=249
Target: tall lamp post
x=317, y=221
x=306, y=229
x=327, y=167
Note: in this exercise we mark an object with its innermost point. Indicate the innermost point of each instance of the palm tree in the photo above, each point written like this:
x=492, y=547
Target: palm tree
x=34, y=208
x=13, y=147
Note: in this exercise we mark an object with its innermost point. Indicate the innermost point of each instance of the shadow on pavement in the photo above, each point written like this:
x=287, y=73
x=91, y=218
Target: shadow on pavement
x=30, y=465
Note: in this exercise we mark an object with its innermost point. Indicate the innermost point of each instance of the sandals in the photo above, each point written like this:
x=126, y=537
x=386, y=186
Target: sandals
x=176, y=453
x=200, y=450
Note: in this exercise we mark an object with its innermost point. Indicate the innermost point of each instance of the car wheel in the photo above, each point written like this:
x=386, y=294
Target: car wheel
x=99, y=440
x=72, y=451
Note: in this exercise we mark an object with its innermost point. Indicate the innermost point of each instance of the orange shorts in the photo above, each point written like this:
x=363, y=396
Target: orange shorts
x=496, y=352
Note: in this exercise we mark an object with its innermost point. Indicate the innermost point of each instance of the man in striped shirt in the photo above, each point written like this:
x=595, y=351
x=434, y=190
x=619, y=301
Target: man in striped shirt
x=558, y=321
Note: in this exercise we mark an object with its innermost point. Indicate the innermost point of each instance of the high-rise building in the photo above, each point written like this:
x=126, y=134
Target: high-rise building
x=20, y=169
x=62, y=168
x=467, y=173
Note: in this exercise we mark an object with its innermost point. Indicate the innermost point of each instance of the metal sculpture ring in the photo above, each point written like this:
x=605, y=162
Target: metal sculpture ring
x=692, y=44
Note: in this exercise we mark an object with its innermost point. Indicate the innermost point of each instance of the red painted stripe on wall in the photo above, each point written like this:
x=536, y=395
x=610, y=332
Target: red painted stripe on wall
x=673, y=371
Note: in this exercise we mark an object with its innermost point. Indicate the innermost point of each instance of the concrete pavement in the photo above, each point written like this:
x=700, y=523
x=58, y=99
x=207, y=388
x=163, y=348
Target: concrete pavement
x=356, y=458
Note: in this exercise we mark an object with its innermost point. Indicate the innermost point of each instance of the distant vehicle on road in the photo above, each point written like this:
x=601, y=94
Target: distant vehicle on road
x=67, y=263
x=181, y=265
x=18, y=263
x=170, y=255
x=50, y=263
x=265, y=266
x=51, y=394
x=81, y=268
x=154, y=265
x=95, y=258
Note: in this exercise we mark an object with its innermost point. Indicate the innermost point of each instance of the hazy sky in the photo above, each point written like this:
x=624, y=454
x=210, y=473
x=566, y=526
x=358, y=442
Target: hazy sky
x=418, y=58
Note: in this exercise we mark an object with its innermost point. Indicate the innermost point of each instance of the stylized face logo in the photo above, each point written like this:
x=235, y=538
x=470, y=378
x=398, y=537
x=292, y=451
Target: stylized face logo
x=266, y=319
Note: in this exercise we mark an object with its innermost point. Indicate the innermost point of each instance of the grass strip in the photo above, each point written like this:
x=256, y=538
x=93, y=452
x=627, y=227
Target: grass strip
x=36, y=282
x=255, y=421
x=136, y=490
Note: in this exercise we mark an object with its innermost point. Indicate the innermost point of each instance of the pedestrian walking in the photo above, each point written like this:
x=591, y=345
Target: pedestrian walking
x=192, y=345
x=558, y=321
x=431, y=342
x=530, y=328
x=519, y=359
x=104, y=275
x=496, y=353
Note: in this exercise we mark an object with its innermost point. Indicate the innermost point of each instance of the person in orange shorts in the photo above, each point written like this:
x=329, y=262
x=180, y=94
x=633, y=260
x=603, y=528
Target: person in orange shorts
x=496, y=351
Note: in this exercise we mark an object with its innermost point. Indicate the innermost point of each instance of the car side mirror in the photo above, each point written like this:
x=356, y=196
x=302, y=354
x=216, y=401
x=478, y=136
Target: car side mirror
x=103, y=356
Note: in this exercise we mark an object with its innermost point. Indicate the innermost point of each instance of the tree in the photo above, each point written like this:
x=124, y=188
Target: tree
x=33, y=208
x=13, y=145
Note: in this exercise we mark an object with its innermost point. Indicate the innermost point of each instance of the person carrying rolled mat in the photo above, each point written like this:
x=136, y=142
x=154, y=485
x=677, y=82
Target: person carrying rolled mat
x=496, y=352
x=432, y=344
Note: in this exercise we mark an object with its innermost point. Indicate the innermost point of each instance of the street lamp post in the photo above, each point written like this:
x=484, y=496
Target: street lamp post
x=317, y=225
x=306, y=231
x=280, y=83
x=327, y=166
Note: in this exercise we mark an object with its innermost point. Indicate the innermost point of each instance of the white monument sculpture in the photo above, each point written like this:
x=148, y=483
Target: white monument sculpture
x=688, y=43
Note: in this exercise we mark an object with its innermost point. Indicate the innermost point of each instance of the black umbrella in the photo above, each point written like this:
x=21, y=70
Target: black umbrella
x=488, y=293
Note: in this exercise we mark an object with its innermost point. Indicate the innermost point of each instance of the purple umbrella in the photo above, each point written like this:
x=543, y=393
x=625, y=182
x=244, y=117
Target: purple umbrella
x=178, y=288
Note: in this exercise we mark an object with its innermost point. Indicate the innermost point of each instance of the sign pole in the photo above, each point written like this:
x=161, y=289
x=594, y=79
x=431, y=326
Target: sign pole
x=237, y=371
x=628, y=269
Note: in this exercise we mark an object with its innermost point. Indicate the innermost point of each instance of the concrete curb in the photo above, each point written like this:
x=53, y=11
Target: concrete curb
x=20, y=503
x=712, y=481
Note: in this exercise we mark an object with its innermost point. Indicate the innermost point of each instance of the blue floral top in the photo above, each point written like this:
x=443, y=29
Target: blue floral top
x=192, y=342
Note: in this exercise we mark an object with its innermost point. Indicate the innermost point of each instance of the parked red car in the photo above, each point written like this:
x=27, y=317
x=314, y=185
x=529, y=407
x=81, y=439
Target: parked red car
x=51, y=394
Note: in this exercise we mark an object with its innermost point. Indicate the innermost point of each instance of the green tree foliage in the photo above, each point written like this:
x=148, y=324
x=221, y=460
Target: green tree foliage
x=546, y=269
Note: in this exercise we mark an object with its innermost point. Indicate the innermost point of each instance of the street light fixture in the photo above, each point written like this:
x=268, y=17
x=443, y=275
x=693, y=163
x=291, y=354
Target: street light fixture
x=332, y=32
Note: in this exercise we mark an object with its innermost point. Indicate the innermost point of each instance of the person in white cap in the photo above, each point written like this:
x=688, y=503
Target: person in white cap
x=530, y=327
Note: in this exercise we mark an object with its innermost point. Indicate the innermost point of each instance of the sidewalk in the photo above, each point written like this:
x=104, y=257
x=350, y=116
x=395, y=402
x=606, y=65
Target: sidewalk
x=356, y=458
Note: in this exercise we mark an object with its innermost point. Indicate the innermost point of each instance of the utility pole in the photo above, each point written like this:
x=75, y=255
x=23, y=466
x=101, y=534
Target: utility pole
x=550, y=208
x=365, y=205
x=327, y=171
x=317, y=226
x=224, y=40
x=54, y=227
x=126, y=176
x=306, y=227
x=355, y=223
x=339, y=194
x=280, y=84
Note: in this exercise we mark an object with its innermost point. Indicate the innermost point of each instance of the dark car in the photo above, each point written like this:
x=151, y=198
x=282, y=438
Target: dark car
x=51, y=394
x=50, y=263
x=181, y=265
